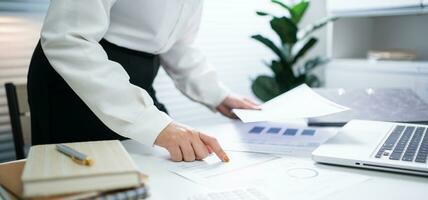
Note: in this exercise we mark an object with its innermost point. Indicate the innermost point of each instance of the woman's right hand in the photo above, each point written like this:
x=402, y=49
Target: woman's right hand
x=186, y=144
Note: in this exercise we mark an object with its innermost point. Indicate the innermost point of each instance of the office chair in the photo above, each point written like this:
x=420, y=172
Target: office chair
x=19, y=113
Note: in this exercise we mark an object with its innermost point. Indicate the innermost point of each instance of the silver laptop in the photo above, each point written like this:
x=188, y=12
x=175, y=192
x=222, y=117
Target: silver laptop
x=397, y=147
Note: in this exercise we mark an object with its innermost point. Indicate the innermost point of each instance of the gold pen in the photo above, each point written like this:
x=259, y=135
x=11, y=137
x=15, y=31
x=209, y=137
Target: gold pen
x=76, y=156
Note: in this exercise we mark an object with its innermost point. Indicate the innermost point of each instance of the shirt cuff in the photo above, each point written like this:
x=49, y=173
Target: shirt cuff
x=147, y=127
x=217, y=95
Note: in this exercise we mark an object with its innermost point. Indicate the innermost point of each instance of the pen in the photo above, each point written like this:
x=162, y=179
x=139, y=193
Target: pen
x=76, y=156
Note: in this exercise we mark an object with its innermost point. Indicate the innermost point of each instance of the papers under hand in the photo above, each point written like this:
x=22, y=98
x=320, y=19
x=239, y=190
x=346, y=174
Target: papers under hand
x=211, y=169
x=300, y=102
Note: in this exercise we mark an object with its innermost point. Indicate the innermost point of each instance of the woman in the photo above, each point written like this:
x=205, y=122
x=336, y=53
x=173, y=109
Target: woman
x=92, y=72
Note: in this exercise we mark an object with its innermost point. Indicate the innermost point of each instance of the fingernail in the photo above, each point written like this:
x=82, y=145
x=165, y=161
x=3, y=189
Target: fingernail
x=226, y=158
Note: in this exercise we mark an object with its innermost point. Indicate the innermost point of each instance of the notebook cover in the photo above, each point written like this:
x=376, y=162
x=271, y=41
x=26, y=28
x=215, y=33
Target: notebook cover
x=10, y=176
x=46, y=164
x=10, y=180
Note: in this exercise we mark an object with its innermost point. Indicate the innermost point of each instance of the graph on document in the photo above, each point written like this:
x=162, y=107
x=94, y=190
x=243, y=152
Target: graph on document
x=282, y=135
x=276, y=138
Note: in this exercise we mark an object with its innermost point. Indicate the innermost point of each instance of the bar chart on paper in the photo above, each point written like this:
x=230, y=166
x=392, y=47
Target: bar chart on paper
x=274, y=138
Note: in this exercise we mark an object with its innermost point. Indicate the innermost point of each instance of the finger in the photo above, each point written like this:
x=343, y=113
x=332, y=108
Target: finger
x=246, y=105
x=187, y=152
x=175, y=153
x=199, y=147
x=226, y=111
x=210, y=151
x=215, y=146
x=252, y=103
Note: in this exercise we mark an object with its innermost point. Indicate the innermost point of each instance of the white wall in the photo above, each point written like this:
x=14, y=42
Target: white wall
x=317, y=10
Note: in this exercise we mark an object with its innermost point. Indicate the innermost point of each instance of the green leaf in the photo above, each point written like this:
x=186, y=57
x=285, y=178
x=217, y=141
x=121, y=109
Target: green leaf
x=283, y=74
x=286, y=51
x=302, y=48
x=261, y=13
x=286, y=29
x=299, y=10
x=313, y=63
x=299, y=80
x=277, y=68
x=265, y=88
x=284, y=6
x=287, y=75
x=309, y=29
x=267, y=42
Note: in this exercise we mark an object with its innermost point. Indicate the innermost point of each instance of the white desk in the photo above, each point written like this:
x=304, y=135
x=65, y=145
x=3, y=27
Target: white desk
x=165, y=185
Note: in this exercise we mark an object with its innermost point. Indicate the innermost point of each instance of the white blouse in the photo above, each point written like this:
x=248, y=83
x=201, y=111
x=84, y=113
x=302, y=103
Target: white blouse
x=70, y=36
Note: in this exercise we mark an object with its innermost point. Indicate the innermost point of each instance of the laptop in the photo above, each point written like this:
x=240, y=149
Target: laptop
x=396, y=147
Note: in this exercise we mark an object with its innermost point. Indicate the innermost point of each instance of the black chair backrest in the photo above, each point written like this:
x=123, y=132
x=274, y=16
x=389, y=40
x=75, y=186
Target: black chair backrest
x=19, y=113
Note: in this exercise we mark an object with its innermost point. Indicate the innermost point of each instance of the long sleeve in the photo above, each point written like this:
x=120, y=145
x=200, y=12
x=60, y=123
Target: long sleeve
x=70, y=36
x=192, y=74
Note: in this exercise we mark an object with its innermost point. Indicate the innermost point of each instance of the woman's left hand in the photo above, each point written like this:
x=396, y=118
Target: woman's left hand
x=235, y=102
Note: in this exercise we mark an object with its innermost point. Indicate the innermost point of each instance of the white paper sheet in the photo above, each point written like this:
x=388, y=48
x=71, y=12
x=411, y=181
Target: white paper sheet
x=204, y=172
x=232, y=194
x=303, y=179
x=277, y=178
x=277, y=138
x=300, y=102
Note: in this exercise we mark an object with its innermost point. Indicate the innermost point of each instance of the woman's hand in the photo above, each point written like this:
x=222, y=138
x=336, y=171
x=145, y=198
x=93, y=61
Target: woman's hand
x=185, y=144
x=234, y=101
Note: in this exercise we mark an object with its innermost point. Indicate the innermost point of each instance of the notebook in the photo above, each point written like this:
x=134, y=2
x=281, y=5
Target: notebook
x=10, y=174
x=10, y=183
x=378, y=104
x=48, y=172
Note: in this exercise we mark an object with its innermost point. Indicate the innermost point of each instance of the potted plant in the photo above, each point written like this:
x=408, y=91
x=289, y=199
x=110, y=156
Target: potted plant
x=295, y=43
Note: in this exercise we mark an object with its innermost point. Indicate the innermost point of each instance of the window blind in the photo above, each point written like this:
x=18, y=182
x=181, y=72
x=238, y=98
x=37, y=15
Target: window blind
x=19, y=33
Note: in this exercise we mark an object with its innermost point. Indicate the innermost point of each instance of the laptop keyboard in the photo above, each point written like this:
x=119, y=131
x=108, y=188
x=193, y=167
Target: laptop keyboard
x=406, y=143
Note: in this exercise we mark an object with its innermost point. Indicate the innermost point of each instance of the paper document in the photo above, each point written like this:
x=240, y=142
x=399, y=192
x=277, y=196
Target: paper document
x=300, y=102
x=269, y=137
x=302, y=179
x=235, y=194
x=277, y=178
x=206, y=171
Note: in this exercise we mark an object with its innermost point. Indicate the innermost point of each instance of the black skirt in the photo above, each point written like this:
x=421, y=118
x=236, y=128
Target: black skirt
x=58, y=115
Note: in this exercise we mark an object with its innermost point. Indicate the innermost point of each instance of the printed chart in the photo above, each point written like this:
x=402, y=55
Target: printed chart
x=275, y=138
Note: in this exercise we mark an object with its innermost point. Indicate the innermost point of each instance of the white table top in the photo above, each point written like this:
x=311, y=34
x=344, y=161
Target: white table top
x=164, y=184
